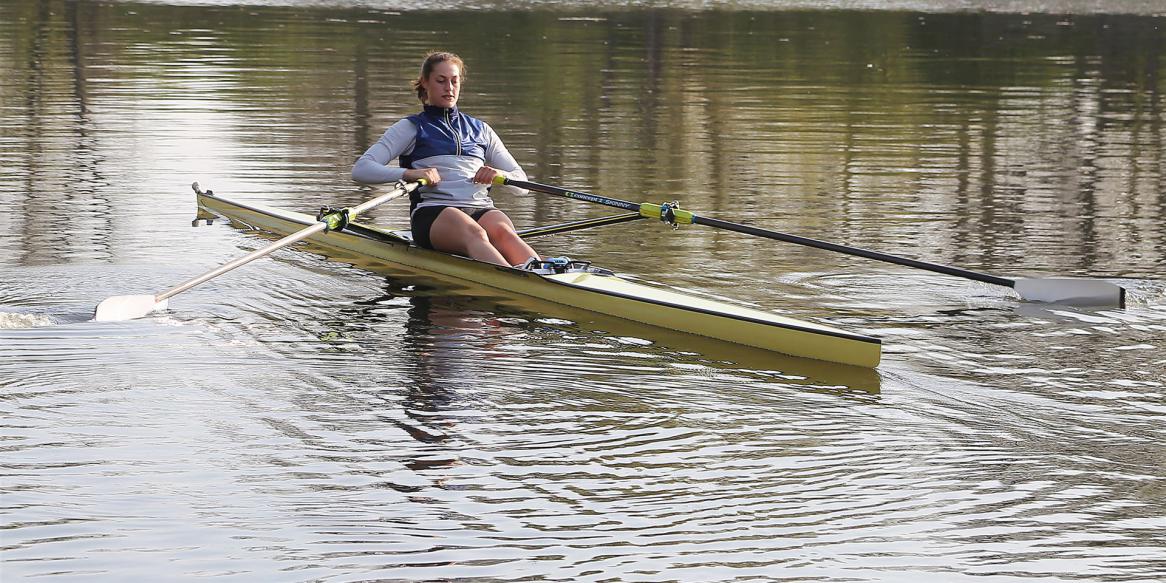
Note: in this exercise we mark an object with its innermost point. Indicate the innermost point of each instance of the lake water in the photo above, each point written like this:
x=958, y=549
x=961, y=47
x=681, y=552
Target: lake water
x=314, y=419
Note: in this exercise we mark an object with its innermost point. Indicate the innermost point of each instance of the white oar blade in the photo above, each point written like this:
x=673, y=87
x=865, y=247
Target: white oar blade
x=1075, y=292
x=120, y=308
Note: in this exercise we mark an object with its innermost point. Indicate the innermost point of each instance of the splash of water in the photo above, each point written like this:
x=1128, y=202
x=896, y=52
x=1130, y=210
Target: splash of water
x=12, y=320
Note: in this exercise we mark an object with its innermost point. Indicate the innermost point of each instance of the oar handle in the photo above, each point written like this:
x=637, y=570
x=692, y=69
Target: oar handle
x=402, y=189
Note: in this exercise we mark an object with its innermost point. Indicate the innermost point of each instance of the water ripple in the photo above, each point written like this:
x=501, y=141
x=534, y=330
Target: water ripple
x=335, y=419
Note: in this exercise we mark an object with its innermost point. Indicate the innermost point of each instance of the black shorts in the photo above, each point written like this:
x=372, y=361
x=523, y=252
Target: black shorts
x=422, y=221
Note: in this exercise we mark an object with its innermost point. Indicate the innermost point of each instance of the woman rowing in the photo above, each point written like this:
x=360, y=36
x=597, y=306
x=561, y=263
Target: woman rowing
x=458, y=156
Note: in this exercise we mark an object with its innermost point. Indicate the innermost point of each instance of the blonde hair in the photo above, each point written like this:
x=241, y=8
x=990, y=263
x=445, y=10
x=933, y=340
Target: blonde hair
x=431, y=61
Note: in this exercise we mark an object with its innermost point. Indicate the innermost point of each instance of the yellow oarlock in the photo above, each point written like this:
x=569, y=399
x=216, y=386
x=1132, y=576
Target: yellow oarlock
x=669, y=212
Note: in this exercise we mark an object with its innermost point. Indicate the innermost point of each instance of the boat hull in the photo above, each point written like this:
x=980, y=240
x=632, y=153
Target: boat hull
x=596, y=292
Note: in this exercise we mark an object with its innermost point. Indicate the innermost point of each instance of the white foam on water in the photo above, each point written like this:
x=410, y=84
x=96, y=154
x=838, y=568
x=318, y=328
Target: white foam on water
x=11, y=320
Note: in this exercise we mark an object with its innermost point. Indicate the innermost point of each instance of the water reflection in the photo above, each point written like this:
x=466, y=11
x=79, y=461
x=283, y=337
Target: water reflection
x=438, y=363
x=336, y=419
x=1032, y=143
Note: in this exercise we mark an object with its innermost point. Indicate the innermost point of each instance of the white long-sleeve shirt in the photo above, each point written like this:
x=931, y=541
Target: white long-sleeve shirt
x=455, y=144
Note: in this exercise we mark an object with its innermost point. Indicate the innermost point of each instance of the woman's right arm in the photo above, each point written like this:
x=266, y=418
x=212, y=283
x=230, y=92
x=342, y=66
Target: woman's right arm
x=372, y=167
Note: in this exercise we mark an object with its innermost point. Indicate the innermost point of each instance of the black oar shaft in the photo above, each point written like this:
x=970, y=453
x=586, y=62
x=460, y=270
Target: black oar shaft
x=576, y=225
x=1058, y=290
x=776, y=235
x=857, y=251
x=575, y=194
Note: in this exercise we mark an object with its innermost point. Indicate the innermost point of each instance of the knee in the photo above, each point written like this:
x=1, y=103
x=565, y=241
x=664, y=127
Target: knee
x=472, y=231
x=499, y=231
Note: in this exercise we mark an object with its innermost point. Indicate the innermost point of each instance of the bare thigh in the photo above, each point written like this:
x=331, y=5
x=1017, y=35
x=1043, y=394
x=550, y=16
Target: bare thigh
x=453, y=231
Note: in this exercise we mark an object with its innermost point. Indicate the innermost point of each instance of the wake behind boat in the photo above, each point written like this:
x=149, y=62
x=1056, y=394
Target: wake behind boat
x=575, y=284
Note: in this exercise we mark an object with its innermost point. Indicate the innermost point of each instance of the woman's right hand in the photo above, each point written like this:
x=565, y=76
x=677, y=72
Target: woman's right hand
x=429, y=174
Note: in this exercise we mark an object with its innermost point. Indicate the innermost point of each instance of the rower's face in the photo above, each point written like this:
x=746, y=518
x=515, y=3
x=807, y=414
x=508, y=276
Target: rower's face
x=443, y=85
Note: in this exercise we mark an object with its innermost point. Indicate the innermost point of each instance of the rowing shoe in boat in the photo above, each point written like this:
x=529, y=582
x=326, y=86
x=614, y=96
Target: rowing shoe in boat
x=576, y=284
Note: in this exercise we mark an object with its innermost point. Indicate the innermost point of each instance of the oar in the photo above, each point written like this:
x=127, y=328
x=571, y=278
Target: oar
x=136, y=306
x=1080, y=292
x=576, y=225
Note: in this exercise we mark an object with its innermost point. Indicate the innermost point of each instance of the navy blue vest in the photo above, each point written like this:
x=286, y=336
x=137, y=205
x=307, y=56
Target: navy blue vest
x=445, y=132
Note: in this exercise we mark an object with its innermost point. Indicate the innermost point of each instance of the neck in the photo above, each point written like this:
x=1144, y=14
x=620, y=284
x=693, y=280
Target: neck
x=439, y=110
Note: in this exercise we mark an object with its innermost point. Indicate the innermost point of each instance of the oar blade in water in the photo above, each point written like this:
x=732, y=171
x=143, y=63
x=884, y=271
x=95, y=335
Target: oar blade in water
x=119, y=308
x=1076, y=292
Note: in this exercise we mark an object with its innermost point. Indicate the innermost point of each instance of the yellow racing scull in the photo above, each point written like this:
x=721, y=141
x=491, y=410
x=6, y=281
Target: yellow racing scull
x=577, y=285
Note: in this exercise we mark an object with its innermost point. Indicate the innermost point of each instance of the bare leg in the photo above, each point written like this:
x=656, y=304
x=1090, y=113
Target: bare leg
x=455, y=232
x=500, y=231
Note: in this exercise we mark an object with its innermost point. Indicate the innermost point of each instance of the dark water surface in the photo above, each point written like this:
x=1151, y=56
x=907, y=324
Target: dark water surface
x=313, y=418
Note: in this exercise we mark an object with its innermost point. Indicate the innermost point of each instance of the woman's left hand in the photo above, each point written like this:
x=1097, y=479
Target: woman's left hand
x=485, y=175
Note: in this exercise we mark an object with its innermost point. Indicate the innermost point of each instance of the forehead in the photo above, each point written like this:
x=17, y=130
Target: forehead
x=446, y=69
